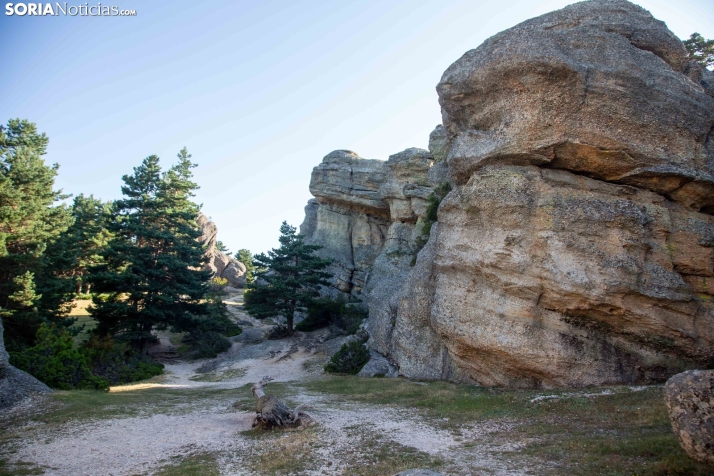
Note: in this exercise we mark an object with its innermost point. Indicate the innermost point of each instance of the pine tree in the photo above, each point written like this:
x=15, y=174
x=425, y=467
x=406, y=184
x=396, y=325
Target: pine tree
x=152, y=264
x=246, y=257
x=700, y=50
x=290, y=278
x=29, y=221
x=66, y=262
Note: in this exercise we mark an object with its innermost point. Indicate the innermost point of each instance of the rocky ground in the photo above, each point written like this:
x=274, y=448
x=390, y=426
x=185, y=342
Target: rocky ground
x=196, y=419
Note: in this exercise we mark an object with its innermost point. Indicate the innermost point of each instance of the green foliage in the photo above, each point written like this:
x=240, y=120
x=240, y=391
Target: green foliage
x=222, y=248
x=68, y=259
x=700, y=50
x=320, y=313
x=208, y=337
x=349, y=319
x=289, y=280
x=278, y=331
x=116, y=362
x=349, y=359
x=151, y=269
x=343, y=318
x=430, y=216
x=29, y=221
x=55, y=361
x=246, y=257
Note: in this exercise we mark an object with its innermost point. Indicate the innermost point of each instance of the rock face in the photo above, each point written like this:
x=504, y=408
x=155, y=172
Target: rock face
x=577, y=245
x=220, y=264
x=690, y=401
x=15, y=385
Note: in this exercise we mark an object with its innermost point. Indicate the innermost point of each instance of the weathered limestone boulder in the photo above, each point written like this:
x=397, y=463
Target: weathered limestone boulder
x=348, y=217
x=596, y=88
x=577, y=245
x=570, y=282
x=690, y=402
x=15, y=385
x=220, y=264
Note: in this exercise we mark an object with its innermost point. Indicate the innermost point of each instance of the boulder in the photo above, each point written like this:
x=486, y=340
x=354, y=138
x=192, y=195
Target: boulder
x=690, y=402
x=15, y=385
x=596, y=88
x=576, y=247
x=219, y=264
x=377, y=366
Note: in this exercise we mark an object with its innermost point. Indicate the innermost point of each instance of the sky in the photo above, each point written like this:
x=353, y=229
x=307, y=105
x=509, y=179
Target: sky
x=258, y=91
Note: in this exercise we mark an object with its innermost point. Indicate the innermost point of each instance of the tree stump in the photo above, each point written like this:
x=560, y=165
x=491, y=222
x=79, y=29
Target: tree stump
x=271, y=412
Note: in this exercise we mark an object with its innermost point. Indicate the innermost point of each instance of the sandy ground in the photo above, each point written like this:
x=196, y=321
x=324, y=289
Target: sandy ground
x=145, y=443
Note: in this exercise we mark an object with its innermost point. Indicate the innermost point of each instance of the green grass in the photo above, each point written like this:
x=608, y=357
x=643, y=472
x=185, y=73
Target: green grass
x=203, y=464
x=84, y=321
x=626, y=433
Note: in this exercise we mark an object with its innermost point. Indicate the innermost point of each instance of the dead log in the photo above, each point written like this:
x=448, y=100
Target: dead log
x=271, y=412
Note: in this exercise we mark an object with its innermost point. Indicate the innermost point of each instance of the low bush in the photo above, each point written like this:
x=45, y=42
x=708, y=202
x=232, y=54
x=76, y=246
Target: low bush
x=55, y=361
x=349, y=359
x=320, y=314
x=117, y=362
x=349, y=320
x=208, y=338
x=278, y=331
x=342, y=318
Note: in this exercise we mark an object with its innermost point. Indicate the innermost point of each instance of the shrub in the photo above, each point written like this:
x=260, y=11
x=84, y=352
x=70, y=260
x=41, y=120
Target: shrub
x=349, y=359
x=208, y=338
x=430, y=217
x=55, y=361
x=343, y=318
x=117, y=362
x=349, y=320
x=278, y=331
x=320, y=313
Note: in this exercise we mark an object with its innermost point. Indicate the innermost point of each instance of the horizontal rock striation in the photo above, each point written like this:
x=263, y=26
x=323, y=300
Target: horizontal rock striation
x=577, y=245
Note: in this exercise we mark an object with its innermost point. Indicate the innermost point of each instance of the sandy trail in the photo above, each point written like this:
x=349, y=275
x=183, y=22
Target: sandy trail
x=144, y=443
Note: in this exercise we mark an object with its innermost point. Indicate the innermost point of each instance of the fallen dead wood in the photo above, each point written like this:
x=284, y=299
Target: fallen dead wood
x=271, y=412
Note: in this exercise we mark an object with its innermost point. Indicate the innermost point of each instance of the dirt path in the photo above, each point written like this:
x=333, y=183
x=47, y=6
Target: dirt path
x=189, y=416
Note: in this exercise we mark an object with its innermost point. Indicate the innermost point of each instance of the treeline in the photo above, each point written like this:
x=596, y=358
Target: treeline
x=138, y=257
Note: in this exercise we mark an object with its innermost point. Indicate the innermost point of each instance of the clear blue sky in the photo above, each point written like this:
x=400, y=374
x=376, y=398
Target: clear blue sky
x=259, y=91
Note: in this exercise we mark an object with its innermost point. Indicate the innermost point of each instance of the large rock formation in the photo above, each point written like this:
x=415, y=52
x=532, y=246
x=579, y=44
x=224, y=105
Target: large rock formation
x=220, y=264
x=15, y=385
x=577, y=246
x=690, y=402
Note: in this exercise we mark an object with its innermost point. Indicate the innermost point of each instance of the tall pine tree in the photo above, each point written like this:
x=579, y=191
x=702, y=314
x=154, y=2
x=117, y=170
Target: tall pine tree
x=152, y=270
x=289, y=279
x=29, y=221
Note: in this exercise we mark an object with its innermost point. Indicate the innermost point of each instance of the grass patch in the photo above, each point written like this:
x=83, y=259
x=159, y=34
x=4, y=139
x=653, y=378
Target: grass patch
x=623, y=433
x=84, y=321
x=284, y=452
x=203, y=464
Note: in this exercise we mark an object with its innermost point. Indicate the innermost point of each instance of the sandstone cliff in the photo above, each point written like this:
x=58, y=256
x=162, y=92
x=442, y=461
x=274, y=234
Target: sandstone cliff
x=577, y=246
x=220, y=264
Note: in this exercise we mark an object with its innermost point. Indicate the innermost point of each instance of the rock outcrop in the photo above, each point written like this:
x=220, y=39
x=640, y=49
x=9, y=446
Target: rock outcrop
x=690, y=402
x=220, y=264
x=577, y=245
x=15, y=385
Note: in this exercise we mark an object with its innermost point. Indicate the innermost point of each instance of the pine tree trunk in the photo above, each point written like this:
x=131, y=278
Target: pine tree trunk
x=271, y=412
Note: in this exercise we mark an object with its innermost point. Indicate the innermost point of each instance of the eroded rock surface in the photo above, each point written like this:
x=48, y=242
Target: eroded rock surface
x=596, y=88
x=577, y=245
x=220, y=264
x=690, y=402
